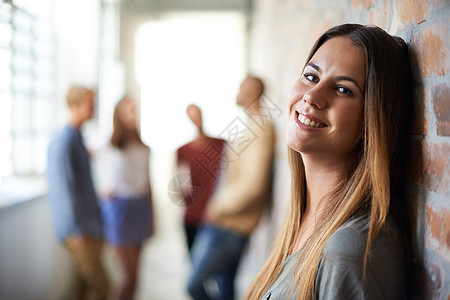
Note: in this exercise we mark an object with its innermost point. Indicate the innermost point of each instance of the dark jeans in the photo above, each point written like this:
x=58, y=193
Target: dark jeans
x=215, y=255
x=191, y=232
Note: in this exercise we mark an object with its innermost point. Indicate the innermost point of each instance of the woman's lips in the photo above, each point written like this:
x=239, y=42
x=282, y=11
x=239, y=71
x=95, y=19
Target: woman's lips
x=309, y=121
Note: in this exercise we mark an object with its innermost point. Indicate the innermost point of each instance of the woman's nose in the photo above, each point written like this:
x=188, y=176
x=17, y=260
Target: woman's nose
x=316, y=97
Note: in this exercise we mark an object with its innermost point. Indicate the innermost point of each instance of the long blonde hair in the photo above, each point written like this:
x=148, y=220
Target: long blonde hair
x=373, y=186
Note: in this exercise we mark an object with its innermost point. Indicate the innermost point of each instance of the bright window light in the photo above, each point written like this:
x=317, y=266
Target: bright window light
x=189, y=58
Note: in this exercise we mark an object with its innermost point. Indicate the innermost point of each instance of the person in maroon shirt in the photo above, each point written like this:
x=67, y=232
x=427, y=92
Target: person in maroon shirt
x=203, y=158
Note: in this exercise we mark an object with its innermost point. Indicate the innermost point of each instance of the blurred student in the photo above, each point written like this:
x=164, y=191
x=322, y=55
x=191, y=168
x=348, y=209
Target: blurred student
x=236, y=208
x=201, y=158
x=125, y=194
x=75, y=210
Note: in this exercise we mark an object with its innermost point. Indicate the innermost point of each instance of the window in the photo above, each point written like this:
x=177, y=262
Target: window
x=5, y=92
x=27, y=88
x=187, y=58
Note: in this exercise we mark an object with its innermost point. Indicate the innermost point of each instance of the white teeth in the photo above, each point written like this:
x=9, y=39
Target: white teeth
x=308, y=122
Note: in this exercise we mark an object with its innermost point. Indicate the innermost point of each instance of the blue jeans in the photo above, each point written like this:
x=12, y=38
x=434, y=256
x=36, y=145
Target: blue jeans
x=215, y=255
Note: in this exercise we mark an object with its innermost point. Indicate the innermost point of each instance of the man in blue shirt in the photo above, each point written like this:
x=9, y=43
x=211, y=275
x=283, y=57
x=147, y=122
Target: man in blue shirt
x=75, y=211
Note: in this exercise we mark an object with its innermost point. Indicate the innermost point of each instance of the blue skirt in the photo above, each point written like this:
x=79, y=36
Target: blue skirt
x=126, y=220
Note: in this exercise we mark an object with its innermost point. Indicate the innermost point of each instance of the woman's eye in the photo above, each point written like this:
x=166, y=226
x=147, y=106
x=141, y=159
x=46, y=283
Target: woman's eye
x=311, y=77
x=344, y=90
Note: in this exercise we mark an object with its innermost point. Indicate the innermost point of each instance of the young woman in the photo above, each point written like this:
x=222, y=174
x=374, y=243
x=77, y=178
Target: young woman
x=347, y=234
x=125, y=194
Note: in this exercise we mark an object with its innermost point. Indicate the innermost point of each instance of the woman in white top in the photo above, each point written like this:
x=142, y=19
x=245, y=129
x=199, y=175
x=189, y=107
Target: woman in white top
x=125, y=194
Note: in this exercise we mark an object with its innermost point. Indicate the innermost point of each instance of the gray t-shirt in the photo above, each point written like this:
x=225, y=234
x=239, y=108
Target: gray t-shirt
x=340, y=272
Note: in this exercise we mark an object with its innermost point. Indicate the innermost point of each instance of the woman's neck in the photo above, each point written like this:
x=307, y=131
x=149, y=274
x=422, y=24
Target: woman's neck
x=131, y=137
x=322, y=176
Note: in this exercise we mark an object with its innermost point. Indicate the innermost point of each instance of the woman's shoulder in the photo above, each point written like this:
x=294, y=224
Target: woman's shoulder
x=350, y=239
x=137, y=149
x=341, y=264
x=106, y=150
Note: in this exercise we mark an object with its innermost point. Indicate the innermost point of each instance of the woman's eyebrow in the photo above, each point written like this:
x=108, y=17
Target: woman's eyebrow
x=347, y=78
x=314, y=66
x=344, y=78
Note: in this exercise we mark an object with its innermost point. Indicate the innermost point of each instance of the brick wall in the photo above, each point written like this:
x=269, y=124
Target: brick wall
x=281, y=34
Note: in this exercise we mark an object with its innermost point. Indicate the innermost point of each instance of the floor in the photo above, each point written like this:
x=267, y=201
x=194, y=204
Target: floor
x=165, y=263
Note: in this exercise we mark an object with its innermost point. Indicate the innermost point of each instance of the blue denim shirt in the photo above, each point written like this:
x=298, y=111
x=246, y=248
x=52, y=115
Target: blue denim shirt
x=73, y=201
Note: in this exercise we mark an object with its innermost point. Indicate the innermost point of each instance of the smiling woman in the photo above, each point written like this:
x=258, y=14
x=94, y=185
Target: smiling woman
x=328, y=94
x=347, y=234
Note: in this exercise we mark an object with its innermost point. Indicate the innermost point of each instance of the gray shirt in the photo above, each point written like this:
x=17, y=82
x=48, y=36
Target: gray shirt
x=340, y=272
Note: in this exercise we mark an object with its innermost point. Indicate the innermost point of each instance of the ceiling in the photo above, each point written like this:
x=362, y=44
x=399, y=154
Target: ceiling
x=183, y=5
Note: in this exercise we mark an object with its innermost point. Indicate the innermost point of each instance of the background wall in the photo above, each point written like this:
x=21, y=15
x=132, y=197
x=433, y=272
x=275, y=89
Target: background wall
x=76, y=48
x=33, y=265
x=282, y=34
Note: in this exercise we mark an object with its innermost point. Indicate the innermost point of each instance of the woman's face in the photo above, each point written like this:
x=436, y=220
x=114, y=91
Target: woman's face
x=326, y=102
x=127, y=114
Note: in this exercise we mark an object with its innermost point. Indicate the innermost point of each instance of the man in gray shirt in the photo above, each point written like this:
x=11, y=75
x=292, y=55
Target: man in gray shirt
x=75, y=210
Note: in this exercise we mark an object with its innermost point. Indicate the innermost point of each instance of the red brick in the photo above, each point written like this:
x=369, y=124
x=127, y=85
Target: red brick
x=417, y=201
x=418, y=171
x=380, y=16
x=369, y=3
x=321, y=28
x=447, y=239
x=356, y=4
x=385, y=13
x=411, y=12
x=418, y=126
x=438, y=225
x=432, y=48
x=431, y=166
x=441, y=106
x=437, y=4
x=437, y=231
x=376, y=18
x=373, y=17
x=436, y=167
x=433, y=281
x=420, y=103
